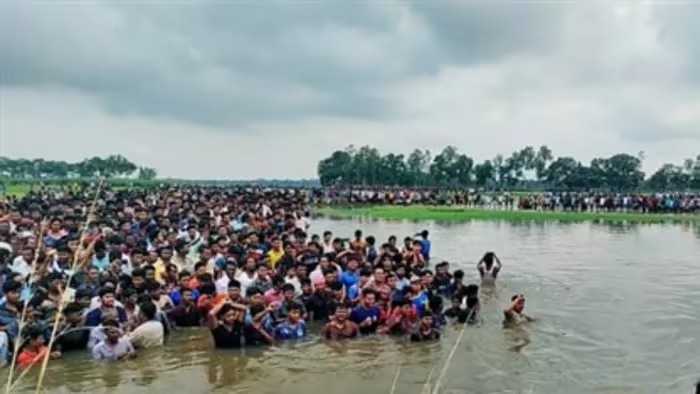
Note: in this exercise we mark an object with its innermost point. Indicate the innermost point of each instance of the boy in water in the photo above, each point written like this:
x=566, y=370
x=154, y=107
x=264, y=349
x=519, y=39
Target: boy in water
x=294, y=327
x=426, y=330
x=488, y=268
x=514, y=313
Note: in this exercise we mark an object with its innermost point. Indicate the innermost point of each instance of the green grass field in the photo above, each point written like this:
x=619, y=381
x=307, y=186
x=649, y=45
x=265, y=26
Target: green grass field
x=456, y=214
x=18, y=190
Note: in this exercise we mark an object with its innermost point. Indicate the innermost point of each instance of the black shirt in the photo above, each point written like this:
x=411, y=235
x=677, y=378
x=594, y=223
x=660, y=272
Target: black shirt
x=225, y=339
x=420, y=336
x=183, y=316
x=73, y=338
x=311, y=261
x=321, y=305
x=441, y=284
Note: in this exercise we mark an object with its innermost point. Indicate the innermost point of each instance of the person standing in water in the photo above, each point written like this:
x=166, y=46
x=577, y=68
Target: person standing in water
x=489, y=267
x=514, y=315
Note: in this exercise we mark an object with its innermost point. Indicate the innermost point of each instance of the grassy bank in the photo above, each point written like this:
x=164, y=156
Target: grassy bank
x=18, y=190
x=455, y=214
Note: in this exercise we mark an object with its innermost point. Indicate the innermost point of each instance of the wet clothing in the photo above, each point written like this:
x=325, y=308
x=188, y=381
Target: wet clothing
x=225, y=338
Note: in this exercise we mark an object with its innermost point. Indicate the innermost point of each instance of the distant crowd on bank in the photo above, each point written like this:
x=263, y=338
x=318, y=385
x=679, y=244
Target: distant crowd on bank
x=677, y=203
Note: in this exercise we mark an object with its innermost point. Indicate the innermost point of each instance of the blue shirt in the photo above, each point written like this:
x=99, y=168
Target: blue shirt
x=100, y=264
x=349, y=279
x=353, y=291
x=176, y=296
x=10, y=321
x=420, y=303
x=288, y=331
x=361, y=314
x=425, y=248
x=372, y=254
x=402, y=285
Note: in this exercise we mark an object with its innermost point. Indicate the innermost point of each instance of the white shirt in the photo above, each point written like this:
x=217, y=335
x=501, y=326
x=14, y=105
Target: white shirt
x=222, y=284
x=148, y=334
x=317, y=274
x=303, y=223
x=246, y=281
x=294, y=281
x=21, y=266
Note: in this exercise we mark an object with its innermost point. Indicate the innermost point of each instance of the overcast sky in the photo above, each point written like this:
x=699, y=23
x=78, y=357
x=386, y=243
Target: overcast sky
x=249, y=89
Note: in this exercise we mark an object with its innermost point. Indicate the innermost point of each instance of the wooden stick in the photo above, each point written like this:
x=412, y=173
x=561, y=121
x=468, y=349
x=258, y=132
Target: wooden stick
x=449, y=357
x=396, y=379
x=23, y=315
x=62, y=303
x=426, y=386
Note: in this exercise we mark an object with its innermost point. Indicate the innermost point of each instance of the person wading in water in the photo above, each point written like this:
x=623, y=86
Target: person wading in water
x=489, y=267
x=514, y=313
x=339, y=327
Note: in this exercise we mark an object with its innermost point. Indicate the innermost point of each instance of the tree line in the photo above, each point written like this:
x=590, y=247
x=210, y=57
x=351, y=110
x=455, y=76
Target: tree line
x=113, y=166
x=525, y=168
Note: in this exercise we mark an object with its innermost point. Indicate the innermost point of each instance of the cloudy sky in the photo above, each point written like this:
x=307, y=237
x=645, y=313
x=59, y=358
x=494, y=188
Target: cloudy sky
x=248, y=89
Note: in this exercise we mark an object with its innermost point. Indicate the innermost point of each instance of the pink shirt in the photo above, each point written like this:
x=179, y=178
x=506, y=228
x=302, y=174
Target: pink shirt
x=273, y=296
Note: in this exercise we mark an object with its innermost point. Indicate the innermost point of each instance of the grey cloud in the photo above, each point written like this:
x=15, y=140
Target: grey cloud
x=679, y=29
x=207, y=64
x=235, y=63
x=484, y=31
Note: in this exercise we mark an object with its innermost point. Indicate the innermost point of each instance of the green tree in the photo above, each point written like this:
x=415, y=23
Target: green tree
x=669, y=178
x=112, y=166
x=566, y=173
x=484, y=173
x=418, y=164
x=695, y=174
x=542, y=159
x=621, y=172
x=335, y=169
x=451, y=168
x=147, y=173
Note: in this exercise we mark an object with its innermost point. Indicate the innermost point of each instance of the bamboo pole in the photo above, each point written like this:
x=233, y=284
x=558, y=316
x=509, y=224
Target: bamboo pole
x=23, y=314
x=396, y=380
x=441, y=377
x=61, y=303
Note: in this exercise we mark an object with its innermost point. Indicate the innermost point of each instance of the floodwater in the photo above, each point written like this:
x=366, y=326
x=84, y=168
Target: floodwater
x=618, y=307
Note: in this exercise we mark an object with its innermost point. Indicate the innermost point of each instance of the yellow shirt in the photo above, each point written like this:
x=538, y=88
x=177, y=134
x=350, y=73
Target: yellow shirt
x=274, y=257
x=160, y=269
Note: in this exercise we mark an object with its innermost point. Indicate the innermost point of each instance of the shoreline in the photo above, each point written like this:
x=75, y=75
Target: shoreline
x=457, y=214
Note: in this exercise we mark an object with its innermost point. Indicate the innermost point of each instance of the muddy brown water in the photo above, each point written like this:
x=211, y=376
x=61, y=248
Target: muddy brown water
x=619, y=310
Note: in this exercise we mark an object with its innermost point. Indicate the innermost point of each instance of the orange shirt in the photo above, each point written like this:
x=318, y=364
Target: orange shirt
x=205, y=302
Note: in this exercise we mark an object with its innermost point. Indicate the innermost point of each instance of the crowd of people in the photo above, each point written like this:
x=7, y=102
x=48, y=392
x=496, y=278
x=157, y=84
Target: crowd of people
x=688, y=203
x=112, y=272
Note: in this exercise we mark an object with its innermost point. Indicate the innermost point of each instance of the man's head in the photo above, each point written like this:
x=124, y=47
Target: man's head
x=112, y=331
x=107, y=297
x=520, y=302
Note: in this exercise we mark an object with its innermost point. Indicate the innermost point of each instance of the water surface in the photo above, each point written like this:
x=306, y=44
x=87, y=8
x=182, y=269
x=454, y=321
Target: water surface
x=618, y=306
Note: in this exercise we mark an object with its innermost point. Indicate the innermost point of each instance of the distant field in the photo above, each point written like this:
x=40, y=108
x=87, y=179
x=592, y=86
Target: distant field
x=21, y=189
x=445, y=214
x=18, y=190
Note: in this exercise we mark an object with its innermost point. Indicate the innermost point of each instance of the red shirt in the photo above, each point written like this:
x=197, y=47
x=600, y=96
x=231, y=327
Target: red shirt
x=27, y=357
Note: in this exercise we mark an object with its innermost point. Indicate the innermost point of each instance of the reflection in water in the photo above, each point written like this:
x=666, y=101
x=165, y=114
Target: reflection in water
x=616, y=303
